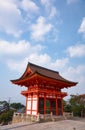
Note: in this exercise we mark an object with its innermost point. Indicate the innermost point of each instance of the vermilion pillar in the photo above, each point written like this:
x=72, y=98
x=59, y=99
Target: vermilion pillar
x=62, y=105
x=44, y=103
x=26, y=103
x=56, y=106
x=37, y=102
x=31, y=102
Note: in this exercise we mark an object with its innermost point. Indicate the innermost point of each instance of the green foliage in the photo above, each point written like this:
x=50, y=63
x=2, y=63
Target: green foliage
x=6, y=117
x=5, y=103
x=17, y=105
x=67, y=107
x=76, y=105
x=64, y=102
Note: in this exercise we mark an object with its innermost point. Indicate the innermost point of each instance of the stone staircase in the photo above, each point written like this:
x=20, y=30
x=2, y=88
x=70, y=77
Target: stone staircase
x=58, y=118
x=49, y=117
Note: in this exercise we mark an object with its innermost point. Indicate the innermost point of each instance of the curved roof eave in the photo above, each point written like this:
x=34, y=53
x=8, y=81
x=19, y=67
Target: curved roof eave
x=70, y=83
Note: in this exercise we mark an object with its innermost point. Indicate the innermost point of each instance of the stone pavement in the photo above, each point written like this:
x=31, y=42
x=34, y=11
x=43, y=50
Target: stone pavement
x=58, y=125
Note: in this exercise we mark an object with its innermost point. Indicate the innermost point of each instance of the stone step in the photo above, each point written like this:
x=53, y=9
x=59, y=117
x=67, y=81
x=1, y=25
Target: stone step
x=58, y=118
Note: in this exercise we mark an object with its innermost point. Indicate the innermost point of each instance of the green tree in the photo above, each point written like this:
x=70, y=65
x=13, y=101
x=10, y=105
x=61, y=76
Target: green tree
x=17, y=105
x=77, y=103
x=67, y=106
x=6, y=117
x=5, y=103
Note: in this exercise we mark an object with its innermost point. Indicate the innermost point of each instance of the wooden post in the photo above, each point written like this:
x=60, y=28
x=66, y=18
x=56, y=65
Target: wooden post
x=26, y=103
x=37, y=103
x=62, y=105
x=44, y=103
x=31, y=103
x=56, y=106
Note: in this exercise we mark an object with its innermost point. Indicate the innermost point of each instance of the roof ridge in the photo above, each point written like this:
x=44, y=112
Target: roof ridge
x=29, y=63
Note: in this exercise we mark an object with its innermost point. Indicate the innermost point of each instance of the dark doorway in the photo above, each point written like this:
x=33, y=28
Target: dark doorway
x=48, y=106
x=59, y=107
x=51, y=106
x=41, y=105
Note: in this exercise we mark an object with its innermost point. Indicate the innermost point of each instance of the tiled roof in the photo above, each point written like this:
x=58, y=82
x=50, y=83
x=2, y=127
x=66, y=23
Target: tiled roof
x=35, y=69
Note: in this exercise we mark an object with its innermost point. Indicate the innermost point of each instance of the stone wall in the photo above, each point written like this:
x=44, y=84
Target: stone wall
x=22, y=117
x=68, y=115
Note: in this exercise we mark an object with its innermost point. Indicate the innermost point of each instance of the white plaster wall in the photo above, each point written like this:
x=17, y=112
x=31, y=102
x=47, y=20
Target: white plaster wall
x=28, y=112
x=34, y=98
x=34, y=112
x=34, y=105
x=29, y=105
x=29, y=98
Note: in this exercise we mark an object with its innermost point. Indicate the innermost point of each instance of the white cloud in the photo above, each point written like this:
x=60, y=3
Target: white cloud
x=40, y=29
x=42, y=59
x=13, y=48
x=29, y=6
x=77, y=50
x=72, y=1
x=60, y=63
x=76, y=74
x=82, y=27
x=18, y=66
x=46, y=2
x=20, y=47
x=50, y=8
x=53, y=12
x=39, y=59
x=10, y=18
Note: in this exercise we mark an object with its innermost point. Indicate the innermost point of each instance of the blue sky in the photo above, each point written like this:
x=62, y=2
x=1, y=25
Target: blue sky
x=50, y=33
